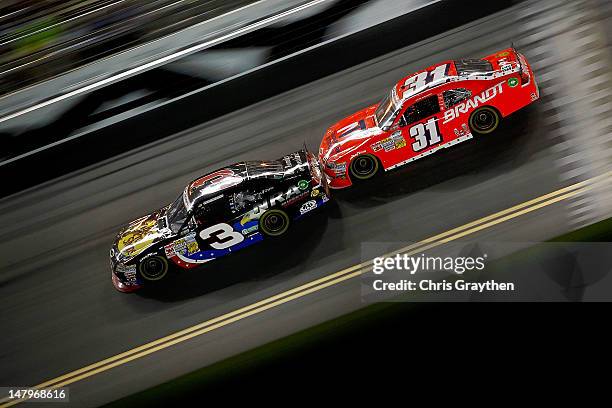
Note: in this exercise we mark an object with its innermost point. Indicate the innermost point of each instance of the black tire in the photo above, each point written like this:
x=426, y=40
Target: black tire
x=364, y=167
x=153, y=268
x=274, y=222
x=484, y=120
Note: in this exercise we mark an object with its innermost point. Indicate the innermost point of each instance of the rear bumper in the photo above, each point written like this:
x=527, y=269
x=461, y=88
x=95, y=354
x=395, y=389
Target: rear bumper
x=530, y=91
x=533, y=82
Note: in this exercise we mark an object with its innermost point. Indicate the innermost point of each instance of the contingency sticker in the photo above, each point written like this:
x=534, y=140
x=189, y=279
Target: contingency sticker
x=395, y=141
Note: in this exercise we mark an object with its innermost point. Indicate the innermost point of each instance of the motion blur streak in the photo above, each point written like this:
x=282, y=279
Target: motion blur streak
x=319, y=284
x=575, y=65
x=160, y=61
x=65, y=36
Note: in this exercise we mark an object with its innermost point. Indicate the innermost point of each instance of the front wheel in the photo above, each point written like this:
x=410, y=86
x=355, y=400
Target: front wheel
x=153, y=268
x=274, y=222
x=364, y=167
x=484, y=120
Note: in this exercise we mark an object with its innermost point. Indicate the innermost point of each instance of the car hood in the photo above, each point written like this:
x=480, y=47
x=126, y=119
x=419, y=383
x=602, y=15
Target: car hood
x=139, y=235
x=350, y=133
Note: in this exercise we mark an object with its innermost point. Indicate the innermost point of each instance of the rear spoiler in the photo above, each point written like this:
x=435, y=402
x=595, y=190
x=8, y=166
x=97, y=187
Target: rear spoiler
x=296, y=159
x=525, y=76
x=518, y=58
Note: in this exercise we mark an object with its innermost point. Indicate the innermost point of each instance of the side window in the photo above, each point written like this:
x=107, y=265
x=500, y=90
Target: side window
x=245, y=199
x=242, y=200
x=210, y=210
x=454, y=96
x=422, y=109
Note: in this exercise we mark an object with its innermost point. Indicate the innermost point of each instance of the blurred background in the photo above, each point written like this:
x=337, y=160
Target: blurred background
x=71, y=69
x=40, y=39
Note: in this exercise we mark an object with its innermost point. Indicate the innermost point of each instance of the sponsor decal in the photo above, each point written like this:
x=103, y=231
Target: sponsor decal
x=308, y=206
x=138, y=237
x=503, y=54
x=504, y=64
x=338, y=168
x=512, y=82
x=303, y=184
x=314, y=192
x=534, y=96
x=395, y=141
x=292, y=195
x=248, y=227
x=186, y=245
x=473, y=103
x=149, y=255
x=129, y=273
x=324, y=198
x=295, y=199
x=464, y=130
x=247, y=231
x=122, y=268
x=243, y=199
x=130, y=277
x=296, y=158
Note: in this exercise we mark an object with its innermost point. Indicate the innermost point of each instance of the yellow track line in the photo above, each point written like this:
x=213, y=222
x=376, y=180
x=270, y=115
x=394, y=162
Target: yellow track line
x=315, y=285
x=302, y=287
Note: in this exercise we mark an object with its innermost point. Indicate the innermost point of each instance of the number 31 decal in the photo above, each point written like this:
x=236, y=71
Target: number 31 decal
x=425, y=135
x=423, y=79
x=224, y=235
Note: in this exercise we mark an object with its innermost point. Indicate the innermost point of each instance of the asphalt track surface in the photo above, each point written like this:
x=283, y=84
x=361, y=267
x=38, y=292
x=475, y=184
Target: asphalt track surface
x=60, y=312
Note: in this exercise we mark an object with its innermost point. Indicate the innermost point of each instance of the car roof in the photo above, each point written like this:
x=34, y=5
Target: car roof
x=448, y=71
x=213, y=183
x=415, y=87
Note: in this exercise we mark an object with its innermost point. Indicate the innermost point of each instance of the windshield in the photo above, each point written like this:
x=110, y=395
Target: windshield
x=177, y=213
x=386, y=110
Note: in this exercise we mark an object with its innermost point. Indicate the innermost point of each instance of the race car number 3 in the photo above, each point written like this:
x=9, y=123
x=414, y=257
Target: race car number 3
x=224, y=236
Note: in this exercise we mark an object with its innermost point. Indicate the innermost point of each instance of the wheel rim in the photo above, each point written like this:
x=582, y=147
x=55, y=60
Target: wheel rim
x=484, y=120
x=275, y=222
x=364, y=167
x=153, y=268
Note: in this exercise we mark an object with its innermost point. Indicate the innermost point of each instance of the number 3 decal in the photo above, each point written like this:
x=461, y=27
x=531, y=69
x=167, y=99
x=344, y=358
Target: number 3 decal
x=425, y=135
x=224, y=234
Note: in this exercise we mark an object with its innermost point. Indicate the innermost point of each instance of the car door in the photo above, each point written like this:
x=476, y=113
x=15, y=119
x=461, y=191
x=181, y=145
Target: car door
x=452, y=122
x=213, y=224
x=420, y=127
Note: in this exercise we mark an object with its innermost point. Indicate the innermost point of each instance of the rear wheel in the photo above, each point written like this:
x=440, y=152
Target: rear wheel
x=274, y=222
x=484, y=120
x=153, y=268
x=364, y=167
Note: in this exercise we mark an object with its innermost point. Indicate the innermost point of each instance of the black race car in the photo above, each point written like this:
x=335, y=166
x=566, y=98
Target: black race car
x=217, y=214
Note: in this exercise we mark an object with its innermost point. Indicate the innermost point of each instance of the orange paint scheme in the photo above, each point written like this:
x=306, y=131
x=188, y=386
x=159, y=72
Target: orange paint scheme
x=427, y=111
